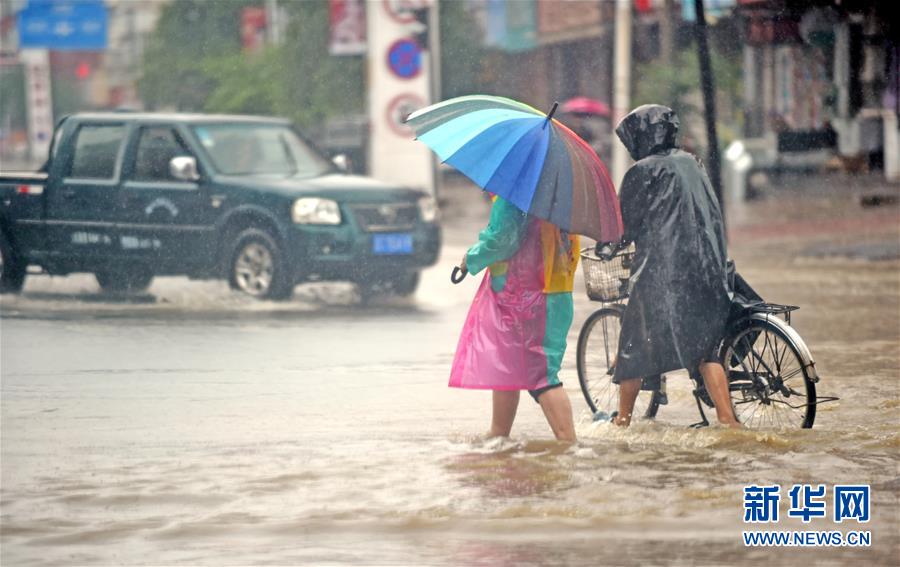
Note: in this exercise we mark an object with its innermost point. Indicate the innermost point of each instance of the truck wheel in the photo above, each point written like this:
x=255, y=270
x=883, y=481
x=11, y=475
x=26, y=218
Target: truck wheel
x=406, y=285
x=12, y=268
x=257, y=266
x=125, y=280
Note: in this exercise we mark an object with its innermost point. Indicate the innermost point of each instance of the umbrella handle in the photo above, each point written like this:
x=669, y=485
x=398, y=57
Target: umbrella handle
x=458, y=274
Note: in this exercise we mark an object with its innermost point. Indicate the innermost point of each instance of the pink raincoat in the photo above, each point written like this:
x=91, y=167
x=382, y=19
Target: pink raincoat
x=514, y=336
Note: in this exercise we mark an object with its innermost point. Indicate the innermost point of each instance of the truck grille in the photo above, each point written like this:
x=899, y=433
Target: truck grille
x=385, y=217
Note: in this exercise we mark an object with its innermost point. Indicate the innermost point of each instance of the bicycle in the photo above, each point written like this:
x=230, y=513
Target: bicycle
x=771, y=373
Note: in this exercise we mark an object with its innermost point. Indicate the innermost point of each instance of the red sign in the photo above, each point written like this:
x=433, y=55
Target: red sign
x=83, y=70
x=402, y=10
x=764, y=31
x=398, y=111
x=348, y=27
x=253, y=28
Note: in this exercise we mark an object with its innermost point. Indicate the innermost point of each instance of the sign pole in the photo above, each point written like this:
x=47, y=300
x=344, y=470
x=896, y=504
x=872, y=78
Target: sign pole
x=398, y=84
x=621, y=84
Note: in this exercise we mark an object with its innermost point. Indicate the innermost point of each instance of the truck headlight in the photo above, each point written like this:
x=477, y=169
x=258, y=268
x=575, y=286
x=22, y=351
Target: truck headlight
x=428, y=209
x=312, y=210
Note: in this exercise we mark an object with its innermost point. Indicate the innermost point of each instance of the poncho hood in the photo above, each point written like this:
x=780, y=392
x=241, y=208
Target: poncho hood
x=648, y=129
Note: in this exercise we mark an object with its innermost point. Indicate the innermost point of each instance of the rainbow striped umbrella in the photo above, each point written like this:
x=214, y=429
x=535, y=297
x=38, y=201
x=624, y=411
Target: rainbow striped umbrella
x=527, y=157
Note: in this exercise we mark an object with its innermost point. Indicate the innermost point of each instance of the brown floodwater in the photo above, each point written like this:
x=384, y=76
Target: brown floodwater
x=191, y=426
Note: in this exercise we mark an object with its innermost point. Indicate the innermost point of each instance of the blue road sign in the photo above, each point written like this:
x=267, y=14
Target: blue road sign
x=63, y=25
x=405, y=58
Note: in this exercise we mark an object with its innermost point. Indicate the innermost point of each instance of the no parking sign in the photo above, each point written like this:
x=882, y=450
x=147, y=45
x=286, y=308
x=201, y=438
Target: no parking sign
x=404, y=58
x=398, y=85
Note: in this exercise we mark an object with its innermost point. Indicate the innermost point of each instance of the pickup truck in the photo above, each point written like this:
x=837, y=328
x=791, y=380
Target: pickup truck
x=129, y=196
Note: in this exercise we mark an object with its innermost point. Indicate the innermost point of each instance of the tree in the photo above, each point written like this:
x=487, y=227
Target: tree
x=462, y=51
x=195, y=63
x=316, y=85
x=244, y=85
x=187, y=34
x=677, y=85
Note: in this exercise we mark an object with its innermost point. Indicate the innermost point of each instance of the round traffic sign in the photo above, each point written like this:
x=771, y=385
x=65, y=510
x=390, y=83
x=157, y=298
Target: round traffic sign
x=400, y=107
x=401, y=11
x=404, y=58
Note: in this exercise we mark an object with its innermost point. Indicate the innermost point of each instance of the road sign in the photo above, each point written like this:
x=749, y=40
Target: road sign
x=405, y=58
x=40, y=104
x=63, y=25
x=399, y=108
x=403, y=11
x=394, y=89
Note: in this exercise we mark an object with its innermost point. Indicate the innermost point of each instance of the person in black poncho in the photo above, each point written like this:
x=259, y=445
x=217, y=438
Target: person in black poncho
x=680, y=296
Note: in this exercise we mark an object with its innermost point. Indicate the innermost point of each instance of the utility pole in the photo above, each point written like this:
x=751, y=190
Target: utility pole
x=433, y=25
x=273, y=22
x=709, y=103
x=621, y=84
x=434, y=49
x=667, y=32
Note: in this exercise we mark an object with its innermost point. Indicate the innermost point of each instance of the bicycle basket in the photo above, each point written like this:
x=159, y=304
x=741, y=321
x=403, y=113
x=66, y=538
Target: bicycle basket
x=607, y=280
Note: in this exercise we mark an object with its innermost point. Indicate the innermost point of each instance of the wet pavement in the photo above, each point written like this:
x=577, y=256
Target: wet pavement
x=193, y=426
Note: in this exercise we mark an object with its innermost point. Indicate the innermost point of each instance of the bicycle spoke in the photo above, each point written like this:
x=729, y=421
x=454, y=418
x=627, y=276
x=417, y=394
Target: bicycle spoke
x=780, y=365
x=744, y=411
x=606, y=342
x=788, y=404
x=755, y=407
x=598, y=359
x=766, y=347
x=777, y=416
x=791, y=413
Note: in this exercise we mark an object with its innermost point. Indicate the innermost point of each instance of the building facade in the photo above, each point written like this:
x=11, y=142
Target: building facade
x=823, y=75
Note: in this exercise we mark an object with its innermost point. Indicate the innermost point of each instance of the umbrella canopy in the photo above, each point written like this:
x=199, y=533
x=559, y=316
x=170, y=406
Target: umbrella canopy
x=526, y=157
x=585, y=105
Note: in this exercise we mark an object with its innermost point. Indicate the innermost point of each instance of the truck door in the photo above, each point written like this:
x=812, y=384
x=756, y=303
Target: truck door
x=82, y=196
x=165, y=220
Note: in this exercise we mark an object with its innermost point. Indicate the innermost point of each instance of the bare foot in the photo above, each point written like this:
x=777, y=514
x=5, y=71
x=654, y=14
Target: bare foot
x=621, y=421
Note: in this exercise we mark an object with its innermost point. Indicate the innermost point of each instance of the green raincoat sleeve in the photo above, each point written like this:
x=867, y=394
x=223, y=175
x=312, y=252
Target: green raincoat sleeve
x=500, y=240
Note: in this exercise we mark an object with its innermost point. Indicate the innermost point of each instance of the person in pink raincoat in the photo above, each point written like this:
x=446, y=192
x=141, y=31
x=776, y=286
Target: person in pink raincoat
x=514, y=336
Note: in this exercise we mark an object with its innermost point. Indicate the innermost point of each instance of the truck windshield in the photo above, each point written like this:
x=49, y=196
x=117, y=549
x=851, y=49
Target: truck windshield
x=260, y=149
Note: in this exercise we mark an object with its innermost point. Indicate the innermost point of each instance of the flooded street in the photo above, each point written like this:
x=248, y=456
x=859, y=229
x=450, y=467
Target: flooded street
x=193, y=426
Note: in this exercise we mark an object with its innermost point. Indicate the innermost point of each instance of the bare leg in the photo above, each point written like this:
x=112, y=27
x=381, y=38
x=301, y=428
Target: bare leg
x=717, y=386
x=628, y=393
x=558, y=411
x=505, y=406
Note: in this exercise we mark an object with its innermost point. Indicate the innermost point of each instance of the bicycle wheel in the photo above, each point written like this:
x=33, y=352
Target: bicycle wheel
x=598, y=343
x=770, y=385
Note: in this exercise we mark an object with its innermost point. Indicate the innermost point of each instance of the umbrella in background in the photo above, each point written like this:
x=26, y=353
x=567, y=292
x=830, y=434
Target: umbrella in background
x=526, y=157
x=585, y=105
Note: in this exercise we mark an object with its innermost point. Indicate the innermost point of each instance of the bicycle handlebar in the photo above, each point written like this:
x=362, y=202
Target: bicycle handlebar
x=606, y=250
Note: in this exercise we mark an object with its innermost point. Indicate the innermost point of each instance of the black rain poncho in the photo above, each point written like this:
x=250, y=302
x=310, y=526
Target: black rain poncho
x=680, y=301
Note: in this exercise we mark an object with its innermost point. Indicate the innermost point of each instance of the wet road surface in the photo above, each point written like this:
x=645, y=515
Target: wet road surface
x=193, y=426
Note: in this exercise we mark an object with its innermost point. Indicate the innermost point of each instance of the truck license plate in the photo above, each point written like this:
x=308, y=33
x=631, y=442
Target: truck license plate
x=391, y=244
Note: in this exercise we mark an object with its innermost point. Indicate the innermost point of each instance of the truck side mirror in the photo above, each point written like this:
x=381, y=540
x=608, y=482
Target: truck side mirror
x=184, y=168
x=341, y=162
